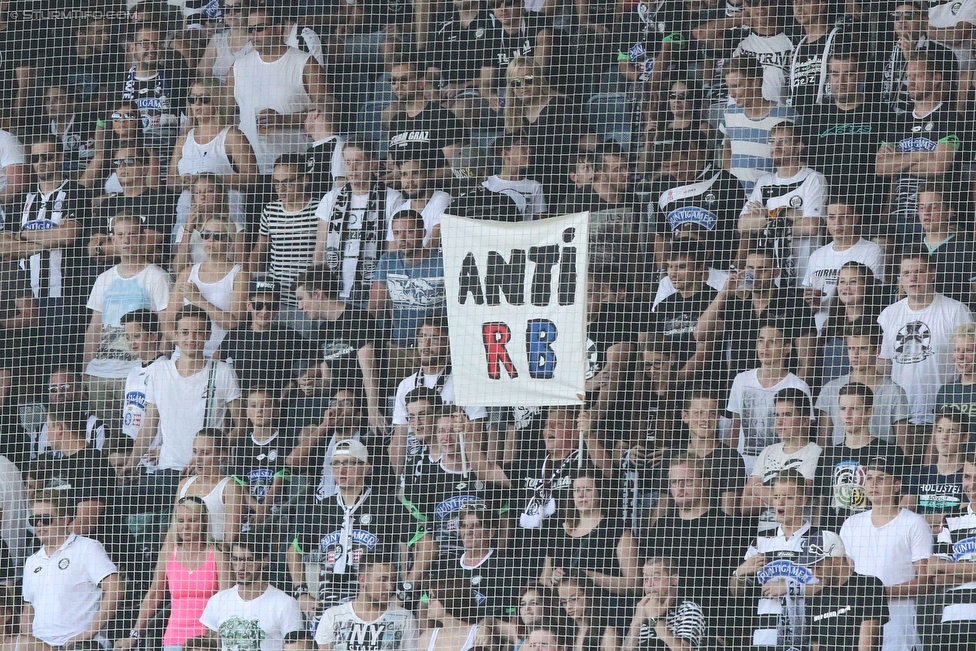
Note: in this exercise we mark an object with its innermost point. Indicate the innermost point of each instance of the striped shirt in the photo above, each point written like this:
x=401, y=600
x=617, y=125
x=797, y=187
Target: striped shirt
x=749, y=141
x=291, y=243
x=686, y=622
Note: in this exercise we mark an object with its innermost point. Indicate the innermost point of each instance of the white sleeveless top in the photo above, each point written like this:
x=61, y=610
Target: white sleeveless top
x=220, y=294
x=200, y=158
x=215, y=506
x=225, y=59
x=276, y=85
x=468, y=642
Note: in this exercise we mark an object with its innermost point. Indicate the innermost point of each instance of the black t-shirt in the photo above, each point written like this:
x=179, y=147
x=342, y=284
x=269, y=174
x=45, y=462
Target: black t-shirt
x=711, y=203
x=742, y=324
x=953, y=260
x=87, y=475
x=265, y=358
x=836, y=613
x=595, y=551
x=339, y=341
x=461, y=51
x=840, y=479
x=521, y=43
x=257, y=465
x=434, y=127
x=494, y=582
x=478, y=202
x=377, y=525
x=675, y=319
x=318, y=162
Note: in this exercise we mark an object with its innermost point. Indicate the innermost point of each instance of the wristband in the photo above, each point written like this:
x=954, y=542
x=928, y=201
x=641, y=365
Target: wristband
x=100, y=123
x=675, y=37
x=134, y=634
x=22, y=236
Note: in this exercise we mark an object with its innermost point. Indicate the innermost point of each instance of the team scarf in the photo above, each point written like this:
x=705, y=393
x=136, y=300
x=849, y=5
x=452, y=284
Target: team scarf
x=363, y=244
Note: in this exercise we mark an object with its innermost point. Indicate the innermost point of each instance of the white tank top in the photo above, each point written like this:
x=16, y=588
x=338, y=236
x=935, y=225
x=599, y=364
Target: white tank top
x=225, y=58
x=468, y=642
x=215, y=506
x=197, y=158
x=220, y=294
x=276, y=85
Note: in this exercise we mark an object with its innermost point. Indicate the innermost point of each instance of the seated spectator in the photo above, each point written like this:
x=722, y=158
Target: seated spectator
x=889, y=420
x=407, y=286
x=258, y=461
x=455, y=611
x=588, y=615
x=263, y=351
x=753, y=396
x=936, y=490
x=513, y=155
x=78, y=602
x=208, y=200
x=893, y=544
x=841, y=468
x=253, y=613
x=782, y=565
x=592, y=542
x=362, y=201
x=849, y=611
x=131, y=284
x=795, y=451
x=785, y=209
x=860, y=299
x=515, y=36
x=952, y=251
x=665, y=615
x=917, y=331
x=960, y=393
x=207, y=482
x=189, y=571
x=66, y=392
x=74, y=129
x=825, y=263
x=946, y=615
x=286, y=238
x=226, y=46
x=685, y=116
x=347, y=626
x=746, y=125
x=217, y=285
x=535, y=607
x=417, y=171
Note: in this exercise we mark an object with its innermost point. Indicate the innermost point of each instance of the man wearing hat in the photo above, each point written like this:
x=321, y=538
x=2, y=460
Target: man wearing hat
x=893, y=544
x=262, y=351
x=335, y=532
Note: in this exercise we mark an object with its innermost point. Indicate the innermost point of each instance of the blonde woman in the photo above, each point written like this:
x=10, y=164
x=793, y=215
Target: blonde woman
x=190, y=569
x=223, y=496
x=208, y=199
x=227, y=46
x=217, y=285
x=551, y=123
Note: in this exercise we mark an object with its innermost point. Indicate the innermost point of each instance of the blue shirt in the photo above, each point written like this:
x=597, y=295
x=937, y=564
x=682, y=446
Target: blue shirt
x=415, y=291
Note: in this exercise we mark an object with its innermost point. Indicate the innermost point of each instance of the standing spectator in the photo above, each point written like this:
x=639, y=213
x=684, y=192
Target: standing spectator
x=14, y=510
x=961, y=394
x=408, y=285
x=13, y=175
x=274, y=87
x=253, y=614
x=78, y=602
x=324, y=155
x=917, y=331
x=74, y=130
x=353, y=220
x=130, y=285
x=936, y=491
x=513, y=154
x=227, y=46
x=460, y=47
x=893, y=544
x=909, y=25
x=951, y=248
x=209, y=483
x=665, y=615
x=66, y=391
x=352, y=626
x=144, y=335
x=809, y=80
x=588, y=615
x=747, y=123
x=785, y=208
x=286, y=238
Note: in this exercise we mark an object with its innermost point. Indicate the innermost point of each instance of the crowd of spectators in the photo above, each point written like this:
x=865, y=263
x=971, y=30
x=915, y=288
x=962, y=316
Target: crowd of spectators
x=227, y=413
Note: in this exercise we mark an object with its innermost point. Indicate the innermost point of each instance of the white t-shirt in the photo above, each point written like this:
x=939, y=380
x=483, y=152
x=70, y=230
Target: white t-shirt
x=394, y=630
x=134, y=399
x=775, y=53
x=432, y=213
x=753, y=404
x=11, y=153
x=772, y=460
x=950, y=14
x=529, y=189
x=802, y=194
x=13, y=511
x=183, y=406
x=918, y=344
x=257, y=625
x=114, y=296
x=824, y=267
x=64, y=588
x=446, y=391
x=888, y=553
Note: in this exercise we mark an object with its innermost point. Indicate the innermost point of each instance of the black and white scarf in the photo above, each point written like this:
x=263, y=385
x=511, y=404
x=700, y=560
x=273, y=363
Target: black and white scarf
x=364, y=245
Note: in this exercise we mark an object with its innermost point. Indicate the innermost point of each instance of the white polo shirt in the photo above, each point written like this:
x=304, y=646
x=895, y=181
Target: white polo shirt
x=64, y=588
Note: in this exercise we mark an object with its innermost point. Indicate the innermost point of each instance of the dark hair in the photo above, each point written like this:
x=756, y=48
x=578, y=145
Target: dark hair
x=436, y=320
x=71, y=415
x=918, y=252
x=797, y=398
x=300, y=636
x=298, y=161
x=192, y=312
x=956, y=415
x=145, y=318
x=253, y=541
x=700, y=394
x=319, y=279
x=417, y=394
x=865, y=328
x=455, y=595
x=413, y=216
x=363, y=145
x=745, y=65
x=862, y=391
x=795, y=477
x=685, y=248
x=874, y=301
x=47, y=139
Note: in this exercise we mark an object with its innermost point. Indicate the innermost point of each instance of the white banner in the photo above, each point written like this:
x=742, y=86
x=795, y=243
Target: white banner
x=516, y=303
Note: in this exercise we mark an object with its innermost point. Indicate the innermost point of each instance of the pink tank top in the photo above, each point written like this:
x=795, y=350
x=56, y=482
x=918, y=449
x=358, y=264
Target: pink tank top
x=189, y=592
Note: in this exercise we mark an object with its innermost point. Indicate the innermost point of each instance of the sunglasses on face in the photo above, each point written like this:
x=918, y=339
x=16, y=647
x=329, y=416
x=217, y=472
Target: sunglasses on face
x=59, y=388
x=261, y=306
x=903, y=15
x=216, y=236
x=44, y=157
x=124, y=116
x=257, y=29
x=345, y=403
x=198, y=99
x=36, y=521
x=522, y=81
x=128, y=161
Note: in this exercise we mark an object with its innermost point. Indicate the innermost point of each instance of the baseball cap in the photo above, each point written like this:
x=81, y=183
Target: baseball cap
x=351, y=448
x=262, y=286
x=888, y=464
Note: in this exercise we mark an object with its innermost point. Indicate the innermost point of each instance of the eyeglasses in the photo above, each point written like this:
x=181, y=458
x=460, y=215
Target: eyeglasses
x=44, y=157
x=518, y=82
x=36, y=521
x=59, y=388
x=214, y=235
x=124, y=116
x=677, y=95
x=257, y=29
x=128, y=161
x=261, y=306
x=192, y=100
x=192, y=499
x=345, y=403
x=903, y=15
x=290, y=181
x=347, y=464
x=575, y=599
x=147, y=44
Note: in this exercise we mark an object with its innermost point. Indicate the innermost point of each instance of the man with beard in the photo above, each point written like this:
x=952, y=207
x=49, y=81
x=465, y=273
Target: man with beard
x=416, y=166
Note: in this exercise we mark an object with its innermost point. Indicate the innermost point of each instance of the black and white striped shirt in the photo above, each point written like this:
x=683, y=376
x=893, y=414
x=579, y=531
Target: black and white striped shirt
x=686, y=622
x=291, y=243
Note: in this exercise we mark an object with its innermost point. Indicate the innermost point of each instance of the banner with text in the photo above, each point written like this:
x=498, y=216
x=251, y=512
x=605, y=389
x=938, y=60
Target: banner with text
x=516, y=303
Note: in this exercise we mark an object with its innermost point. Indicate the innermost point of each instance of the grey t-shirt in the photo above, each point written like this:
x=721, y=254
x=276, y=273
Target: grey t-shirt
x=890, y=406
